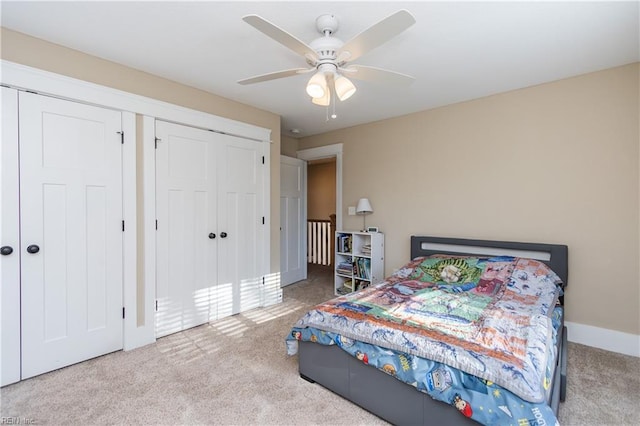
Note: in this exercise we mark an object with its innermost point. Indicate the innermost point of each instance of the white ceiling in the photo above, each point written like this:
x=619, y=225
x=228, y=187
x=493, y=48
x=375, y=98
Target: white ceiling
x=456, y=50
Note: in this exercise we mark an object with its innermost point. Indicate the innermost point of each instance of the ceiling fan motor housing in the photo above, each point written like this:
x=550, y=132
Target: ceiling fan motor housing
x=327, y=22
x=326, y=48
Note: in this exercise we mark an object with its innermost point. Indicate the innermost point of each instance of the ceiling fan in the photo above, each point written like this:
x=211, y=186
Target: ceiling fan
x=330, y=57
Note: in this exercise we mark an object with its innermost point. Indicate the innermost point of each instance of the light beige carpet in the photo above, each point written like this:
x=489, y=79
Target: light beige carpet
x=235, y=372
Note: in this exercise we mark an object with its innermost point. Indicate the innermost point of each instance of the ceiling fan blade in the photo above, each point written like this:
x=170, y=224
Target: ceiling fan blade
x=378, y=75
x=280, y=35
x=378, y=34
x=275, y=75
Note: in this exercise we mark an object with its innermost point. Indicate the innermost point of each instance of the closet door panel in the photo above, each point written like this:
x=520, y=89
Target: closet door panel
x=186, y=282
x=9, y=240
x=71, y=230
x=241, y=195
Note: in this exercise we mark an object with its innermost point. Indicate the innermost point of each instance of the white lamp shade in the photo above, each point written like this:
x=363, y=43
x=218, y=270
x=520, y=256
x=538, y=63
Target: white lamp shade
x=324, y=100
x=364, y=206
x=317, y=85
x=344, y=88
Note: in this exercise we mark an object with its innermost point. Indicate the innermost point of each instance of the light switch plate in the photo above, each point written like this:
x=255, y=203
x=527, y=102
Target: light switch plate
x=352, y=211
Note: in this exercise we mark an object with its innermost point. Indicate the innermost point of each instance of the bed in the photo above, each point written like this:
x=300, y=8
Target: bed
x=326, y=358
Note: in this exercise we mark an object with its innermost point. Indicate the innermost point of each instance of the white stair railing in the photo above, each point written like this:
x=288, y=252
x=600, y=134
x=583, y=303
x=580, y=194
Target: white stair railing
x=319, y=238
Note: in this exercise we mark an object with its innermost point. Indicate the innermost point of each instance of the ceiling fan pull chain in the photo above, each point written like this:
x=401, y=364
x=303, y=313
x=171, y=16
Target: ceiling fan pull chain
x=334, y=109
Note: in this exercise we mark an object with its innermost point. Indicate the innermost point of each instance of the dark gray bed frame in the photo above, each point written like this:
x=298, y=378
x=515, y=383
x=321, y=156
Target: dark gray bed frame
x=395, y=401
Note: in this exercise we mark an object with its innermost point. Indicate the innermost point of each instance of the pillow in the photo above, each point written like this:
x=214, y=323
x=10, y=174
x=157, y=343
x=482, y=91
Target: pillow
x=451, y=270
x=464, y=273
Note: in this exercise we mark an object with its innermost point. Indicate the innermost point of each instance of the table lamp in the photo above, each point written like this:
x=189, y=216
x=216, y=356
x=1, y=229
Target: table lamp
x=364, y=208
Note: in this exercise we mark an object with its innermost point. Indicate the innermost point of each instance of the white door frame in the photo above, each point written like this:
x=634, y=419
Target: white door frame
x=139, y=328
x=328, y=151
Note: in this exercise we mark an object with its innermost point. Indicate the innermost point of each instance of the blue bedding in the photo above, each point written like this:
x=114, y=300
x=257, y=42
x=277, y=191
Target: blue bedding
x=479, y=399
x=476, y=333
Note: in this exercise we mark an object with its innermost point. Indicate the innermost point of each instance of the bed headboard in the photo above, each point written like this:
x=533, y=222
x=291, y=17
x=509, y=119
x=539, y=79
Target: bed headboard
x=554, y=255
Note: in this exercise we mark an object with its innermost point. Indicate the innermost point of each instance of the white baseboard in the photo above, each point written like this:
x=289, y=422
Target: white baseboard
x=610, y=340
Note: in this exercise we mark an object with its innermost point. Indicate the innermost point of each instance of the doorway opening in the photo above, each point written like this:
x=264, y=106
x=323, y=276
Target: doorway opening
x=321, y=208
x=324, y=201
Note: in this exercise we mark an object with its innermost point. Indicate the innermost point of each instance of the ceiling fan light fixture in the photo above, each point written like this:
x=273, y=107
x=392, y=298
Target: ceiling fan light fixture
x=344, y=88
x=324, y=100
x=317, y=86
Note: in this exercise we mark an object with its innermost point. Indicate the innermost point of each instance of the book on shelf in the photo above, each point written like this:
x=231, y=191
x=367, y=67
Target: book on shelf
x=362, y=268
x=366, y=249
x=346, y=287
x=344, y=243
x=345, y=268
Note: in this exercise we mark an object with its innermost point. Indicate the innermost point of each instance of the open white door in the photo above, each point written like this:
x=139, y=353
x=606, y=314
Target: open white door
x=71, y=232
x=293, y=217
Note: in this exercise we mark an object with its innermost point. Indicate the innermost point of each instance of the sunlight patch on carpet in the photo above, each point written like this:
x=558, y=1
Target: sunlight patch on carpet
x=270, y=313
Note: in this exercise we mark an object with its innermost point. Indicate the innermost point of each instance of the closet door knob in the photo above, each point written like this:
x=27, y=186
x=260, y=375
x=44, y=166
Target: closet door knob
x=212, y=236
x=223, y=235
x=33, y=249
x=6, y=250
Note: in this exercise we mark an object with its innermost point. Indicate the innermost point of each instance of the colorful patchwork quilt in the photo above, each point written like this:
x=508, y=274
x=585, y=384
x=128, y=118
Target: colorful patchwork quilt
x=491, y=318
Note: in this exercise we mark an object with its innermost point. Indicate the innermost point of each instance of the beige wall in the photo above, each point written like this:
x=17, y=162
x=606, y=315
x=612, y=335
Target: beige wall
x=321, y=194
x=20, y=48
x=554, y=163
x=289, y=146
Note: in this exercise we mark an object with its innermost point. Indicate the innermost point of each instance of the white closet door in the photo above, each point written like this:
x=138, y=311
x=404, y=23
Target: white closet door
x=240, y=218
x=71, y=232
x=9, y=240
x=293, y=220
x=186, y=211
